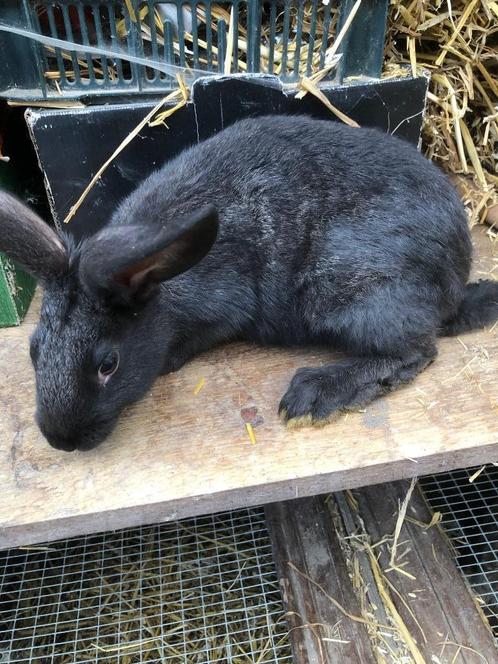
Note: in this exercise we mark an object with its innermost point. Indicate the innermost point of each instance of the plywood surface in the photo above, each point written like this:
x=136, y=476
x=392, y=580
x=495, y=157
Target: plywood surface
x=176, y=454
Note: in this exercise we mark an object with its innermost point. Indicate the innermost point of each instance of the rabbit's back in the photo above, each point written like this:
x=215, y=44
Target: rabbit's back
x=312, y=208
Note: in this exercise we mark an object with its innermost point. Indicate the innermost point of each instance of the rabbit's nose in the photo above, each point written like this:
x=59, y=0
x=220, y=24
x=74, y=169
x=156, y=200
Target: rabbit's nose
x=61, y=443
x=57, y=440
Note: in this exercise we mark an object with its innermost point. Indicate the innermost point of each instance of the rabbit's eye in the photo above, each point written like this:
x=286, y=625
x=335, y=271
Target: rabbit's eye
x=108, y=366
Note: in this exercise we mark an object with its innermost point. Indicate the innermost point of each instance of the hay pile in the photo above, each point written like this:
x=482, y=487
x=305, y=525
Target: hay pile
x=458, y=43
x=317, y=34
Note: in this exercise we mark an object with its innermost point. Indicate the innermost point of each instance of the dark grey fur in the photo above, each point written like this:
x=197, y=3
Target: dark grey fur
x=327, y=235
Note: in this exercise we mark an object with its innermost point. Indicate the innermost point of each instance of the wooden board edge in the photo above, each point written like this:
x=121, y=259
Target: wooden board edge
x=189, y=506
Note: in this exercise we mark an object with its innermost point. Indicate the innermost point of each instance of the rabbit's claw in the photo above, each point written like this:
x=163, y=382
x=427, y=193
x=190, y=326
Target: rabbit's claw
x=313, y=397
x=317, y=396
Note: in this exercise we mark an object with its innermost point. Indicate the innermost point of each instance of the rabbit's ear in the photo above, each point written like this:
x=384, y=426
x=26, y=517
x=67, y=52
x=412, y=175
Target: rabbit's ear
x=28, y=240
x=128, y=262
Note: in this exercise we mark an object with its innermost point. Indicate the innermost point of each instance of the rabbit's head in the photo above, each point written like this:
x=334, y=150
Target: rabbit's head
x=102, y=335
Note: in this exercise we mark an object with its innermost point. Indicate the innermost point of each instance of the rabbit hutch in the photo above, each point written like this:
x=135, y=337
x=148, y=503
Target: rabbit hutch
x=203, y=530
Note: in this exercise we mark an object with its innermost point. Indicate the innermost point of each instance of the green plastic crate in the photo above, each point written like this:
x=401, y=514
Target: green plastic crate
x=16, y=287
x=16, y=293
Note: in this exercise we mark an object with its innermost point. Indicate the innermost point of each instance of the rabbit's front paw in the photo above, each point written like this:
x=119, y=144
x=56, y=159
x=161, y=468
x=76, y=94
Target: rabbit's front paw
x=317, y=396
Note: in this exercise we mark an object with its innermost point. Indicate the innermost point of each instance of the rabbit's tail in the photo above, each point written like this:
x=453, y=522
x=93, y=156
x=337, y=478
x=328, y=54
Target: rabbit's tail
x=478, y=309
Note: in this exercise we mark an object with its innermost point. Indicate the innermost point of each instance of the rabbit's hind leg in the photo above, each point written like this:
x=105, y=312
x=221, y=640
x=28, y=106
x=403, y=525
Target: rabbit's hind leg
x=317, y=395
x=390, y=337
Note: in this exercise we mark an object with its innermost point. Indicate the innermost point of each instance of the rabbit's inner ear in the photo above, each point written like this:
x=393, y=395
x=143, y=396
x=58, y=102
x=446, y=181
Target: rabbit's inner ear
x=134, y=276
x=128, y=262
x=178, y=257
x=176, y=250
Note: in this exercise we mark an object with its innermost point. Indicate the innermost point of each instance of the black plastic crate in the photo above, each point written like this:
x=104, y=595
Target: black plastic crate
x=289, y=38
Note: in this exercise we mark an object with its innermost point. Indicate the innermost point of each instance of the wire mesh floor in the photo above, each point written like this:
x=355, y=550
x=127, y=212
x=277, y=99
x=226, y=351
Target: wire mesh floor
x=470, y=518
x=198, y=591
x=202, y=590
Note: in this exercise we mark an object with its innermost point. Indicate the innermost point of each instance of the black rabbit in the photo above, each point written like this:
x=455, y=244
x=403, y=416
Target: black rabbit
x=279, y=230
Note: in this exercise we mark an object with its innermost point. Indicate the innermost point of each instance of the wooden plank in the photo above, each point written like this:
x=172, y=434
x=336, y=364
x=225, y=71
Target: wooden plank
x=307, y=552
x=176, y=454
x=435, y=604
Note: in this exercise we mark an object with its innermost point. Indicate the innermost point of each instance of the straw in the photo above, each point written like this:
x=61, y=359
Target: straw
x=250, y=433
x=309, y=86
x=199, y=386
x=121, y=147
x=230, y=42
x=399, y=522
x=454, y=43
x=131, y=10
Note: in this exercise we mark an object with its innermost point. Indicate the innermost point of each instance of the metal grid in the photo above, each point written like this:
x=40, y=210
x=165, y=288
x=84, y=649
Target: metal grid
x=470, y=518
x=202, y=590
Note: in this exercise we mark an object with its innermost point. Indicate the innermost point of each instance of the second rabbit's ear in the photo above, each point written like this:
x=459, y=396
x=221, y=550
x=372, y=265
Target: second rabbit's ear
x=29, y=241
x=127, y=262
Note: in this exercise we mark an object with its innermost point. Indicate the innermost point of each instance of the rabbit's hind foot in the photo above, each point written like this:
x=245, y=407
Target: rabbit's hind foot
x=316, y=396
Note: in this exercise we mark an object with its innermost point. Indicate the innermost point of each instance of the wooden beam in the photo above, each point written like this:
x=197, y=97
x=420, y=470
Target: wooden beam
x=341, y=546
x=311, y=568
x=429, y=593
x=177, y=454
